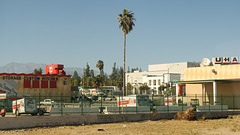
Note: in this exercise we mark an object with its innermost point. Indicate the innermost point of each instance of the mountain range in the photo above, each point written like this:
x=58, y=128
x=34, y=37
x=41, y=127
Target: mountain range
x=28, y=68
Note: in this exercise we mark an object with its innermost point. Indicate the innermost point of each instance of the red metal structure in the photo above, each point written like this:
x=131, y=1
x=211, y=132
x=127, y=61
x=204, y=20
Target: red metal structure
x=55, y=69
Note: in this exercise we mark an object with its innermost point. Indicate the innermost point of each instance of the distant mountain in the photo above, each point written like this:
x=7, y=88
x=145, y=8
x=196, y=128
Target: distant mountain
x=28, y=68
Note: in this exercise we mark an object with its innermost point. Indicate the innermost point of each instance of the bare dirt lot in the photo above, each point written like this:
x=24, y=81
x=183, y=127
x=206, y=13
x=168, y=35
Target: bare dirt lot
x=229, y=125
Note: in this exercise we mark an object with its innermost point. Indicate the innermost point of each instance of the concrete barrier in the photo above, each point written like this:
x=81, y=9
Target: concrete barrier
x=212, y=108
x=86, y=110
x=171, y=108
x=7, y=123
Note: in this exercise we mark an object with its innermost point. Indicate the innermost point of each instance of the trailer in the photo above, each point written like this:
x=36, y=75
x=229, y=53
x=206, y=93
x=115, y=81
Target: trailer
x=26, y=106
x=133, y=100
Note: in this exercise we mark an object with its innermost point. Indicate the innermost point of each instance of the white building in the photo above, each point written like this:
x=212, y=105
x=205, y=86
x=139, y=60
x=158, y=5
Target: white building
x=158, y=74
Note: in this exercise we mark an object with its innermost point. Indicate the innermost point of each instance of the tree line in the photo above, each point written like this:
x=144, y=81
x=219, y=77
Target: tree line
x=98, y=81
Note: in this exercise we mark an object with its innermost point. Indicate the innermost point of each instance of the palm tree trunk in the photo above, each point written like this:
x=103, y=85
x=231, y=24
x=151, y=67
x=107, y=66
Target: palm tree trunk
x=124, y=59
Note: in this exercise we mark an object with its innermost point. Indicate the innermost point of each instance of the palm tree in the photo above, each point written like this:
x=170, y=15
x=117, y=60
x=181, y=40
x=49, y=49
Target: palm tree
x=126, y=23
x=100, y=67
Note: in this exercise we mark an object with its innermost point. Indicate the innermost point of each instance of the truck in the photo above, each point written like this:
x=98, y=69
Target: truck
x=133, y=100
x=55, y=69
x=26, y=106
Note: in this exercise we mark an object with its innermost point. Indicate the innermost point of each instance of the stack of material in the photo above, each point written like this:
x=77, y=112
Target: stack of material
x=185, y=115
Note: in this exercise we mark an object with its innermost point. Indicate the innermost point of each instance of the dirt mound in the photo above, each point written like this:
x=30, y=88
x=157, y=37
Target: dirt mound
x=185, y=115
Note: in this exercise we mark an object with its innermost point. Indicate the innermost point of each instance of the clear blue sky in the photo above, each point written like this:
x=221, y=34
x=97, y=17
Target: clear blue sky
x=77, y=32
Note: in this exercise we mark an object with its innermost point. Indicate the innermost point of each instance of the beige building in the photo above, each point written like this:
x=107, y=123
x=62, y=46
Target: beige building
x=213, y=84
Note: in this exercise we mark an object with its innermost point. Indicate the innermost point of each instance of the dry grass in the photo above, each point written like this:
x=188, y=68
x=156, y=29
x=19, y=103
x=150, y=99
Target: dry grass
x=229, y=125
x=185, y=115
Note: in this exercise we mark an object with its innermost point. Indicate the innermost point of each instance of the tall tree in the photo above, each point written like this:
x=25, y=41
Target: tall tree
x=76, y=79
x=126, y=23
x=114, y=74
x=37, y=71
x=100, y=66
x=86, y=75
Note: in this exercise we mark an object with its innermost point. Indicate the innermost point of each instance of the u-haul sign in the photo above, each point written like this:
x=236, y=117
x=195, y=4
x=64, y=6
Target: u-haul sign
x=225, y=60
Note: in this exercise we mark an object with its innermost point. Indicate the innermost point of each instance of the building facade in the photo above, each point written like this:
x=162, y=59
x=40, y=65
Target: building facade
x=157, y=75
x=34, y=85
x=213, y=83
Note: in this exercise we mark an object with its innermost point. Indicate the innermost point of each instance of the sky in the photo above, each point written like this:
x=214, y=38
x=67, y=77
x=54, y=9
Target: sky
x=77, y=32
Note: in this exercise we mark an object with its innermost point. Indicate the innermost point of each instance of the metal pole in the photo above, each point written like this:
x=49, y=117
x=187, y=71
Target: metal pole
x=61, y=105
x=39, y=103
x=136, y=103
x=122, y=101
x=182, y=102
x=16, y=105
x=81, y=103
x=101, y=106
x=119, y=103
x=152, y=102
x=167, y=104
x=221, y=102
x=233, y=102
x=209, y=97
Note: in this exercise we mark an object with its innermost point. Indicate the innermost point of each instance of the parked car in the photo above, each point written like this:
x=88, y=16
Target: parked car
x=103, y=97
x=110, y=98
x=94, y=98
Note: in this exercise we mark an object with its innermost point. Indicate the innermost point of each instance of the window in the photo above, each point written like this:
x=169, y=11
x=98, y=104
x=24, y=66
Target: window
x=159, y=82
x=154, y=82
x=44, y=84
x=150, y=82
x=27, y=83
x=53, y=84
x=35, y=84
x=64, y=82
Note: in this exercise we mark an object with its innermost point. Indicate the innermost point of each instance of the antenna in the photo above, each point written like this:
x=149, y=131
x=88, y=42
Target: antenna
x=205, y=62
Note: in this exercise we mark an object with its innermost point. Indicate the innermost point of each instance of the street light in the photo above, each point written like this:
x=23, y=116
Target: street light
x=172, y=66
x=169, y=76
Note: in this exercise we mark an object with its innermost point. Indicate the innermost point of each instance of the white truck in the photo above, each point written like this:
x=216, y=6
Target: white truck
x=26, y=106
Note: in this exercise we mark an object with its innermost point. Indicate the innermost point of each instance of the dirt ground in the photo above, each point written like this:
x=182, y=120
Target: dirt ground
x=229, y=125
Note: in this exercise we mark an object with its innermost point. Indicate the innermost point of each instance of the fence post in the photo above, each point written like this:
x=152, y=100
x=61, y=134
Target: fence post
x=136, y=102
x=209, y=97
x=182, y=102
x=119, y=105
x=221, y=102
x=101, y=110
x=39, y=103
x=16, y=105
x=61, y=105
x=233, y=103
x=167, y=104
x=152, y=102
x=81, y=103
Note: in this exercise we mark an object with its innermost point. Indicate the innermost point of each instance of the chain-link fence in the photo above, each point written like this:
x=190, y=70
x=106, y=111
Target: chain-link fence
x=115, y=103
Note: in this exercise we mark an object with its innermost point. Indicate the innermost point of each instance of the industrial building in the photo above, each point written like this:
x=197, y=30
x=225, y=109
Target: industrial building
x=35, y=85
x=158, y=74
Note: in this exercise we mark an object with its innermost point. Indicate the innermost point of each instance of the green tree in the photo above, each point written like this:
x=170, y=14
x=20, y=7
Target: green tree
x=126, y=23
x=86, y=75
x=161, y=88
x=37, y=71
x=76, y=79
x=144, y=87
x=114, y=74
x=96, y=81
x=100, y=66
x=129, y=86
